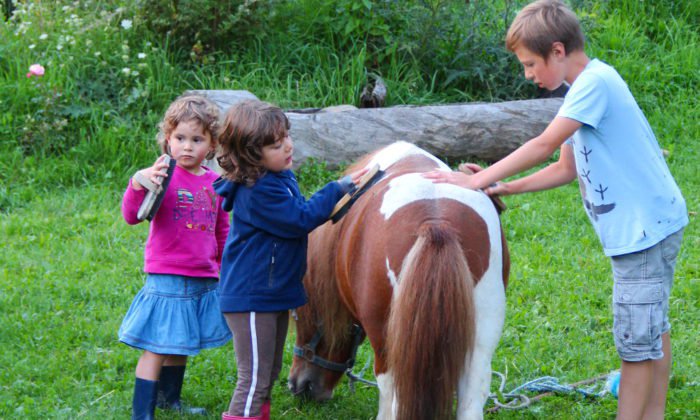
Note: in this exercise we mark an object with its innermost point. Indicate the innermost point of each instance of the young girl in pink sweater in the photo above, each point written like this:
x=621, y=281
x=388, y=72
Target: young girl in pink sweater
x=176, y=314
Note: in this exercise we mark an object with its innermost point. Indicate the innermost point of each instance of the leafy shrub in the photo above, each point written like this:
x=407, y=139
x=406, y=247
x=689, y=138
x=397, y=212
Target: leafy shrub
x=462, y=45
x=456, y=45
x=201, y=27
x=96, y=61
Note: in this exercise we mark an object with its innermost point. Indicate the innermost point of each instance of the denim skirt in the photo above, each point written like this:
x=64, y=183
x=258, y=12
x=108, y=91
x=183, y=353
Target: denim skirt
x=175, y=314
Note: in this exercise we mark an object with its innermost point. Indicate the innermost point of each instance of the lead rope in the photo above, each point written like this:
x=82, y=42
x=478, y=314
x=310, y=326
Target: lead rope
x=545, y=386
x=359, y=337
x=548, y=385
x=359, y=376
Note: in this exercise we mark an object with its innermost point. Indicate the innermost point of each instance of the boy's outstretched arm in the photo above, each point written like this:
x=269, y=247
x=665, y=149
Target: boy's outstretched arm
x=530, y=154
x=557, y=174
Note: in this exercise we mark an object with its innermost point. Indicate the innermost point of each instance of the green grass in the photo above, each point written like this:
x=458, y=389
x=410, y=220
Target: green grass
x=70, y=266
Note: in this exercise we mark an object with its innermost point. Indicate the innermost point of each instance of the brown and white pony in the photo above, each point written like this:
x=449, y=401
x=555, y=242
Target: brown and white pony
x=422, y=269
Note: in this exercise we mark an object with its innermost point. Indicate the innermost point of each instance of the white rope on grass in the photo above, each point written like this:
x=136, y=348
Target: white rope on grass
x=548, y=385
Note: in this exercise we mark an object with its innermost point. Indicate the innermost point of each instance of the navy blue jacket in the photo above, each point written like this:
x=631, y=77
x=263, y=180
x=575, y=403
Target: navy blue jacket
x=264, y=258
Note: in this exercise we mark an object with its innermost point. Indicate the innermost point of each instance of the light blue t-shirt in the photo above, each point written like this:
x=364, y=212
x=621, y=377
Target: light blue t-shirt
x=628, y=191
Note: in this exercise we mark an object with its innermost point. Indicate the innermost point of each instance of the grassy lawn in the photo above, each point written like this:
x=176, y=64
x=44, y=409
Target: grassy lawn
x=70, y=267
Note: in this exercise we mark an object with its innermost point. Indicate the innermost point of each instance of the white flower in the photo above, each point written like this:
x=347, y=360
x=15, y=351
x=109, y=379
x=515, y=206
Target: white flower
x=126, y=71
x=127, y=24
x=97, y=54
x=142, y=55
x=43, y=36
x=135, y=73
x=59, y=47
x=125, y=57
x=31, y=47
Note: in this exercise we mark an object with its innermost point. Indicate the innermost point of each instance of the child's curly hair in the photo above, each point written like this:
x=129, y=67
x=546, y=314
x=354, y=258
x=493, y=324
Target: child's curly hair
x=190, y=108
x=248, y=127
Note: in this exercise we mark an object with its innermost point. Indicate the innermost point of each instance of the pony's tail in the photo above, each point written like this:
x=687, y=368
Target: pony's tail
x=430, y=332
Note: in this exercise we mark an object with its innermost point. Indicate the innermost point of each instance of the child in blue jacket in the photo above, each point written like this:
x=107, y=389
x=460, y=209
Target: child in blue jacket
x=264, y=258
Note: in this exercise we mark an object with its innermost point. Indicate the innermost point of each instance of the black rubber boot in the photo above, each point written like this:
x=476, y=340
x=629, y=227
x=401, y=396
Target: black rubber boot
x=145, y=395
x=169, y=389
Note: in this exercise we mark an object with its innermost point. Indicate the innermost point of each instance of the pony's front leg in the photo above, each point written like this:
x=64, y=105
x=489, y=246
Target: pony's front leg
x=387, y=400
x=474, y=385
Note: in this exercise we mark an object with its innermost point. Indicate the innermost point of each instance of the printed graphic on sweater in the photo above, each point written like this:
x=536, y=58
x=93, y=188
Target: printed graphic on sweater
x=198, y=210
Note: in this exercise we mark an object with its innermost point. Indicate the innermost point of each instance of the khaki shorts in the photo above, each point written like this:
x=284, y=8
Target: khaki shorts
x=643, y=282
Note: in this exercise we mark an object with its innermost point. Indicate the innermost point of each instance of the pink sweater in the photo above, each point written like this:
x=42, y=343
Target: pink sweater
x=188, y=233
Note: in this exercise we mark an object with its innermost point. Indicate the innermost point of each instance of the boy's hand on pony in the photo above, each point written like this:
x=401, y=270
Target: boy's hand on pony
x=155, y=173
x=499, y=188
x=458, y=178
x=469, y=168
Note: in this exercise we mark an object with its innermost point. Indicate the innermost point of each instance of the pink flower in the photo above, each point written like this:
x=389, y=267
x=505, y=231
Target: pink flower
x=36, y=70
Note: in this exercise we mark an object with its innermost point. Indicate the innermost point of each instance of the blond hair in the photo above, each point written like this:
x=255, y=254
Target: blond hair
x=542, y=23
x=190, y=108
x=248, y=127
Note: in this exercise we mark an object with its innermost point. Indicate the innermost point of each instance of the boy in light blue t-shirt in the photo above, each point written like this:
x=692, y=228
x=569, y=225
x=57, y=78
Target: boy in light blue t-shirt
x=628, y=192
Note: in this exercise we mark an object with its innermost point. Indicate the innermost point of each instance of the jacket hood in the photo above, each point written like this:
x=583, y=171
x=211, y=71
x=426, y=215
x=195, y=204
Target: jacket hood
x=227, y=190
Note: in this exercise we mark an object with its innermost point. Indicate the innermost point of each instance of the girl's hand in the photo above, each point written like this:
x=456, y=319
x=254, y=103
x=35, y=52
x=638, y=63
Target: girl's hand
x=356, y=176
x=351, y=182
x=154, y=173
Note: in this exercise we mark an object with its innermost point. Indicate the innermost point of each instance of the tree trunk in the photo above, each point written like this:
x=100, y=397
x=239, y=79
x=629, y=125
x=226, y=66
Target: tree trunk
x=457, y=132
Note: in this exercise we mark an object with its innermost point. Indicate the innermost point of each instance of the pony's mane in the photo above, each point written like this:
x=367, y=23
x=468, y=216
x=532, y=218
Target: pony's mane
x=329, y=312
x=324, y=297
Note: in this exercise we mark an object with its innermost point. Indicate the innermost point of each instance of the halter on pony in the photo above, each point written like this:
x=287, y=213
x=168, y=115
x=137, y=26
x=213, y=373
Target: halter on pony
x=308, y=351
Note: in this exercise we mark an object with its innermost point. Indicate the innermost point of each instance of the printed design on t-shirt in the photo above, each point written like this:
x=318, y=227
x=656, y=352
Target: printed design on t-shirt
x=586, y=174
x=593, y=209
x=197, y=210
x=585, y=152
x=585, y=182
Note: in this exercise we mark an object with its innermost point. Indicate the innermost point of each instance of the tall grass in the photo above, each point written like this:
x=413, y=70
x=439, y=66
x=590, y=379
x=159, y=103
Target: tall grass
x=69, y=266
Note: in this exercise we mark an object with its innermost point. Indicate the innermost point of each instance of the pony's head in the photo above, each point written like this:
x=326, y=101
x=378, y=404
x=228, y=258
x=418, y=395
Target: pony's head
x=324, y=333
x=320, y=360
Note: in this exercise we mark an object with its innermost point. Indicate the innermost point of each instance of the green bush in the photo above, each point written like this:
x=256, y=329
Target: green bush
x=99, y=64
x=457, y=46
x=110, y=74
x=203, y=27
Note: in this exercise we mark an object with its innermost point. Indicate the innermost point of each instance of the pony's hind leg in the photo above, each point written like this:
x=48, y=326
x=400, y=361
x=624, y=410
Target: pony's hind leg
x=387, y=397
x=474, y=385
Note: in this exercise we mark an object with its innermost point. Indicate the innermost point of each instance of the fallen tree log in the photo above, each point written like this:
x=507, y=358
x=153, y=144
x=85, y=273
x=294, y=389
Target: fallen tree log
x=456, y=132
